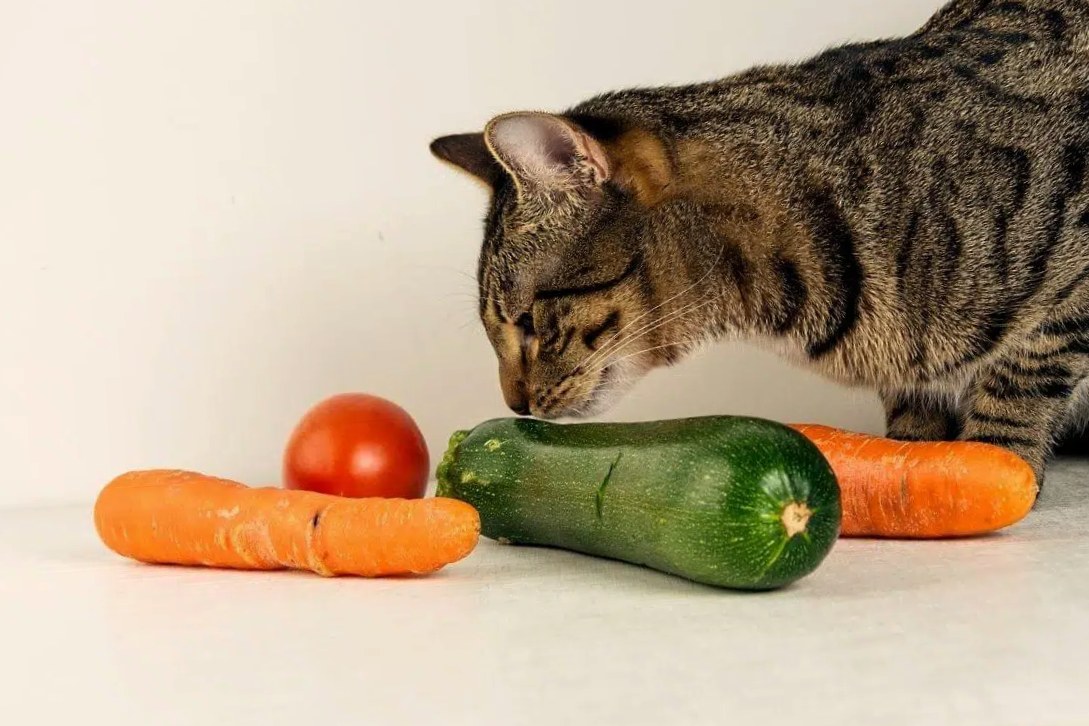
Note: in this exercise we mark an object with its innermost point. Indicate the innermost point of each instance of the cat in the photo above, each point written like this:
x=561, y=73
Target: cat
x=909, y=215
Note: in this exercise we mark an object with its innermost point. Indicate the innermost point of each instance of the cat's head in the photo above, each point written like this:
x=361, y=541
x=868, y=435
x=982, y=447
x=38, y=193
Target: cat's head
x=567, y=296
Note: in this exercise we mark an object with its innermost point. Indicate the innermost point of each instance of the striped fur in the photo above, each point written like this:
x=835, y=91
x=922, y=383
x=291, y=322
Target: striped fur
x=909, y=215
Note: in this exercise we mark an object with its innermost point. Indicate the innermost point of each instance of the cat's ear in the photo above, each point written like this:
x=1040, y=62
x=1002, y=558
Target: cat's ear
x=470, y=153
x=543, y=151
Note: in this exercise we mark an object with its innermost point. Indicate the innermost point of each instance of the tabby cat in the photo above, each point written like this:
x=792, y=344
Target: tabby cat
x=910, y=215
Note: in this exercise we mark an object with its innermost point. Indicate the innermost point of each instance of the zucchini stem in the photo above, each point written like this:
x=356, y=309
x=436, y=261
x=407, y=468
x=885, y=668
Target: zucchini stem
x=795, y=518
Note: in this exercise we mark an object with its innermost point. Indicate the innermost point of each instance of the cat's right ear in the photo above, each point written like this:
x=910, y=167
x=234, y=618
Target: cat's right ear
x=471, y=154
x=543, y=151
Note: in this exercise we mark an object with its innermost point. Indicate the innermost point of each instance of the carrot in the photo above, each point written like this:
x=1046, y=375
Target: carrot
x=925, y=490
x=185, y=518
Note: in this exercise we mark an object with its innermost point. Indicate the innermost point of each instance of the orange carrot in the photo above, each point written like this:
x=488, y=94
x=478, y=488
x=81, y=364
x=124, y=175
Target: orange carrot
x=925, y=490
x=185, y=518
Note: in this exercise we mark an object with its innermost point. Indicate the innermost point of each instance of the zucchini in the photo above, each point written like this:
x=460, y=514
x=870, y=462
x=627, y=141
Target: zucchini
x=728, y=501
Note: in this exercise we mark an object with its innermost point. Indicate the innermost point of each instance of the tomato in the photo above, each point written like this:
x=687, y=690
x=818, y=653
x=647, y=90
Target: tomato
x=357, y=445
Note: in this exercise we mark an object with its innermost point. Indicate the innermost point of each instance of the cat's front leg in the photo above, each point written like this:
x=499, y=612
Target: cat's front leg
x=1019, y=402
x=919, y=416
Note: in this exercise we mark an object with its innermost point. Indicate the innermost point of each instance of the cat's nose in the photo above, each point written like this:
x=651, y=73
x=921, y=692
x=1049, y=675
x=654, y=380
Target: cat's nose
x=513, y=382
x=517, y=397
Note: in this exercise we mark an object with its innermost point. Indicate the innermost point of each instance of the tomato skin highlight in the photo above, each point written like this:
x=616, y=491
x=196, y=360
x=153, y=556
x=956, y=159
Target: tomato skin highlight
x=357, y=445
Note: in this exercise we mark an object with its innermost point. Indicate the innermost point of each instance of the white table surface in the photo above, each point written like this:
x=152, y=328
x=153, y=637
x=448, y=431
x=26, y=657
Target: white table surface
x=990, y=631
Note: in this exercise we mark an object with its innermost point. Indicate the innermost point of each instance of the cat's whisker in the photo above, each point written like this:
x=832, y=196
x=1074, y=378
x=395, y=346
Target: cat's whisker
x=593, y=392
x=592, y=386
x=464, y=296
x=621, y=359
x=668, y=300
x=673, y=317
x=679, y=343
x=589, y=383
x=445, y=268
x=616, y=340
x=648, y=328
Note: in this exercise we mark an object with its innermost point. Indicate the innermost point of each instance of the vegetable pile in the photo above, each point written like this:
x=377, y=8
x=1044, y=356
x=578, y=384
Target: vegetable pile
x=363, y=465
x=727, y=501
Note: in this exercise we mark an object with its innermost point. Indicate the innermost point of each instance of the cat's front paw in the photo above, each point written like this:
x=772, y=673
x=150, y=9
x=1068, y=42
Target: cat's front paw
x=903, y=435
x=916, y=427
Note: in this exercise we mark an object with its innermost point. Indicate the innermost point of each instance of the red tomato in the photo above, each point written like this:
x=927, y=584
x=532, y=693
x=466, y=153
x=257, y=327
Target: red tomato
x=356, y=445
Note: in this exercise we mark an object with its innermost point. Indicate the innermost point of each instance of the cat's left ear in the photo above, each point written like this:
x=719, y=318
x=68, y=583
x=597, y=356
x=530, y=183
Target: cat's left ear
x=547, y=152
x=470, y=153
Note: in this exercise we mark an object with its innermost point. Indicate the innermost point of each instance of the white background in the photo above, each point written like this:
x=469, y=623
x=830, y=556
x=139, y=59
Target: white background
x=214, y=213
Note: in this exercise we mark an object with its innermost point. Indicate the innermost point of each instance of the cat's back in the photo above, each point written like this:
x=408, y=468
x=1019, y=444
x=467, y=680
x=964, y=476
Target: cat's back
x=1009, y=66
x=981, y=78
x=1053, y=16
x=1033, y=47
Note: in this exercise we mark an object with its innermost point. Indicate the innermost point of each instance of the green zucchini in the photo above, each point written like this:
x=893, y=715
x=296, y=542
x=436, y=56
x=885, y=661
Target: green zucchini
x=728, y=501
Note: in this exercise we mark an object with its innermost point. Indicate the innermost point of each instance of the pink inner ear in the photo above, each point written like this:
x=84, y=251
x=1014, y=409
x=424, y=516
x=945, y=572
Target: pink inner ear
x=522, y=143
x=546, y=149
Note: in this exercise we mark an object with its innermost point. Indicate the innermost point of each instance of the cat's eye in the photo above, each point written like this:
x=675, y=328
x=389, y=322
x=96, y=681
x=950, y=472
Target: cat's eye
x=525, y=327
